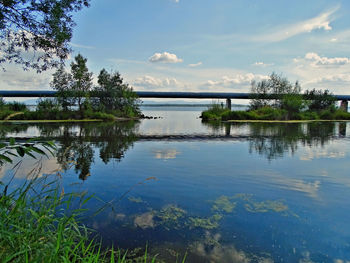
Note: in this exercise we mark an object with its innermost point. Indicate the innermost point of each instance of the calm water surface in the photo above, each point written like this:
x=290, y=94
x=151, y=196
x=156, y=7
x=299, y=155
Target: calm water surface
x=245, y=192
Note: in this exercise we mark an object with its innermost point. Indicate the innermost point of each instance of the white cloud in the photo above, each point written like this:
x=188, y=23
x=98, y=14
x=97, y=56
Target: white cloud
x=336, y=78
x=328, y=153
x=262, y=64
x=310, y=188
x=165, y=57
x=239, y=79
x=195, y=65
x=166, y=154
x=319, y=22
x=334, y=39
x=321, y=72
x=150, y=82
x=81, y=46
x=317, y=60
x=15, y=78
x=30, y=167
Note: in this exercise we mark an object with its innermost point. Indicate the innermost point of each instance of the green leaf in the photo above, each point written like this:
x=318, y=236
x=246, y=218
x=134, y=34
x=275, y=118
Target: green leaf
x=2, y=145
x=12, y=141
x=10, y=153
x=31, y=155
x=20, y=150
x=5, y=158
x=35, y=149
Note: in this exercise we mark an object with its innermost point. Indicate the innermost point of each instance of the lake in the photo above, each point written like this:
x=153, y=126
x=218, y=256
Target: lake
x=240, y=192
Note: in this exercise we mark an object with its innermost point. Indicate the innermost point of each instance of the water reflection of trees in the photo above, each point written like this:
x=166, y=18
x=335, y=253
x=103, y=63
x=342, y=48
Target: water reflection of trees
x=5, y=129
x=77, y=144
x=273, y=140
x=78, y=141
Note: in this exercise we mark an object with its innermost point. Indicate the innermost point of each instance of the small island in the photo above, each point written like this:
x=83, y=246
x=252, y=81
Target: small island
x=288, y=104
x=78, y=99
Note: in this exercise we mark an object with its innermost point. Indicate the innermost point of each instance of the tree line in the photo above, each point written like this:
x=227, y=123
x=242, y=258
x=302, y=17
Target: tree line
x=276, y=98
x=111, y=95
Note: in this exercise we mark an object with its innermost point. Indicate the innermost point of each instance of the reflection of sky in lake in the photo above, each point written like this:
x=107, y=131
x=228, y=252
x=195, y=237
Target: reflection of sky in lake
x=185, y=194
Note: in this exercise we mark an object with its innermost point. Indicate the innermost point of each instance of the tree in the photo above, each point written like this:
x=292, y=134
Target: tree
x=108, y=90
x=41, y=28
x=293, y=104
x=275, y=85
x=62, y=82
x=319, y=99
x=81, y=80
x=112, y=95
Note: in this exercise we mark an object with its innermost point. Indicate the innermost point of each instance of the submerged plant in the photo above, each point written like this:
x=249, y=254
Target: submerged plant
x=223, y=204
x=170, y=216
x=135, y=199
x=38, y=223
x=206, y=223
x=267, y=206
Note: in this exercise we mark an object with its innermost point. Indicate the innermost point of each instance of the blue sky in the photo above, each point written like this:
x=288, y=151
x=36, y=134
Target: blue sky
x=206, y=45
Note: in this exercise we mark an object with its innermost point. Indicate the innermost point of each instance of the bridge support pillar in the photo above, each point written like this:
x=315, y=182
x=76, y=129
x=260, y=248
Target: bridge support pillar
x=228, y=104
x=344, y=105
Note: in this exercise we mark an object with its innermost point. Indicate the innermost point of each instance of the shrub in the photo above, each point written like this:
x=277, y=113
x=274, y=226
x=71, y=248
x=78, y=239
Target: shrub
x=214, y=112
x=2, y=103
x=319, y=100
x=326, y=115
x=114, y=96
x=16, y=106
x=236, y=115
x=309, y=115
x=275, y=85
x=4, y=113
x=47, y=105
x=341, y=115
x=101, y=116
x=293, y=104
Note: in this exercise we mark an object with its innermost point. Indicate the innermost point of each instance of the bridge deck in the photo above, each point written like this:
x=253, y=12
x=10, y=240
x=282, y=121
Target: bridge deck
x=152, y=94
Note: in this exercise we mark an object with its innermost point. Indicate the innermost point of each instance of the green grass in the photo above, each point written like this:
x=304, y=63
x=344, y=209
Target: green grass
x=272, y=114
x=46, y=111
x=214, y=112
x=59, y=115
x=36, y=227
x=49, y=121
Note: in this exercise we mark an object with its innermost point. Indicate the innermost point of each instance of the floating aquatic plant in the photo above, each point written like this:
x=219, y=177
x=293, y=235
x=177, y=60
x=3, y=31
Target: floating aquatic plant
x=266, y=206
x=223, y=204
x=135, y=199
x=206, y=223
x=170, y=215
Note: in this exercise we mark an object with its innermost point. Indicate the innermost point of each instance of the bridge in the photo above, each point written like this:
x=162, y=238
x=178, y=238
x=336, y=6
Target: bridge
x=178, y=95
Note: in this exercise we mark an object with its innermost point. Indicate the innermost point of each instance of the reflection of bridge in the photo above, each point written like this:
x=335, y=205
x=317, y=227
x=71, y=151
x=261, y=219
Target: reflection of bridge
x=179, y=95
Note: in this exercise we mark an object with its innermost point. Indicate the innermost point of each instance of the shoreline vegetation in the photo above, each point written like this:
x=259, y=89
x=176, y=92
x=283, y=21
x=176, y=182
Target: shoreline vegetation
x=289, y=104
x=40, y=222
x=77, y=99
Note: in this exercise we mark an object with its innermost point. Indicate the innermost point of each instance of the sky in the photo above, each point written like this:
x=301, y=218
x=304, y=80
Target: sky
x=206, y=45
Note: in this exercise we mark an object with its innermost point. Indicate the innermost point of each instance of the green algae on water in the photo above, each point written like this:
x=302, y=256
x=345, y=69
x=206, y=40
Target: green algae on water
x=266, y=206
x=228, y=204
x=206, y=223
x=135, y=199
x=170, y=216
x=171, y=213
x=223, y=204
